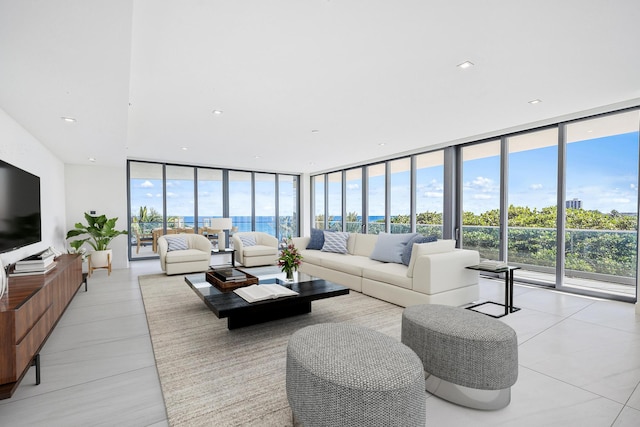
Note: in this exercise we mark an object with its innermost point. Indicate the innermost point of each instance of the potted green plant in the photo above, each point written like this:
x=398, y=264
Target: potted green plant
x=101, y=231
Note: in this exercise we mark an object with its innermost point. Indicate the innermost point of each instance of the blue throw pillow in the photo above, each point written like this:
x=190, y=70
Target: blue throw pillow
x=389, y=247
x=406, y=253
x=317, y=239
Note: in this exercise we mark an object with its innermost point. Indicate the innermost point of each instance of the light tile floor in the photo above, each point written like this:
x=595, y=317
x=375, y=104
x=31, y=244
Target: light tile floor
x=579, y=363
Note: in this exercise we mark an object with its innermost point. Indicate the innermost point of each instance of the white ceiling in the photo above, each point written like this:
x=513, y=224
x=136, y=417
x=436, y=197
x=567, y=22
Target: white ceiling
x=142, y=77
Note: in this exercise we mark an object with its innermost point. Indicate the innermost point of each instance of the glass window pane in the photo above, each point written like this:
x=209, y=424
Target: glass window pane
x=318, y=191
x=376, y=198
x=265, y=194
x=602, y=199
x=400, y=196
x=429, y=193
x=240, y=200
x=209, y=196
x=353, y=191
x=180, y=197
x=288, y=206
x=481, y=199
x=533, y=160
x=334, y=202
x=145, y=192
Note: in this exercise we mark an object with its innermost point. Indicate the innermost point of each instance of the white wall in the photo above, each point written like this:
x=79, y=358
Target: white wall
x=21, y=149
x=100, y=189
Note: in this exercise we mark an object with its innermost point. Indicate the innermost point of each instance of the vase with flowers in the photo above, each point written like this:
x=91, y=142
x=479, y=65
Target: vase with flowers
x=290, y=259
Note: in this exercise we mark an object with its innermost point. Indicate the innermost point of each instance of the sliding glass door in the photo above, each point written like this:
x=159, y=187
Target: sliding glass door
x=601, y=206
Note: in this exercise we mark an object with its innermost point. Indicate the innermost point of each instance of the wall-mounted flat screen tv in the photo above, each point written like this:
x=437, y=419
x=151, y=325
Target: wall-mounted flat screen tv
x=20, y=222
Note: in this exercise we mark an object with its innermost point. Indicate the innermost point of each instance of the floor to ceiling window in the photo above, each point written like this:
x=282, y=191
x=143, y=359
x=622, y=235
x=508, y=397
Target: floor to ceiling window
x=429, y=193
x=167, y=199
x=400, y=195
x=287, y=206
x=317, y=183
x=532, y=199
x=146, y=206
x=210, y=196
x=353, y=200
x=560, y=202
x=601, y=206
x=481, y=198
x=265, y=195
x=241, y=200
x=376, y=198
x=180, y=197
x=334, y=201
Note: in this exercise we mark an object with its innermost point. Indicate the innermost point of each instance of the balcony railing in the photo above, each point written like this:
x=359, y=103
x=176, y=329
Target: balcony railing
x=604, y=255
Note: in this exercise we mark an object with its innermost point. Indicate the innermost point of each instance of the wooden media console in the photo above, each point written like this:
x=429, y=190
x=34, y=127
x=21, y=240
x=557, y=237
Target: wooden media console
x=29, y=310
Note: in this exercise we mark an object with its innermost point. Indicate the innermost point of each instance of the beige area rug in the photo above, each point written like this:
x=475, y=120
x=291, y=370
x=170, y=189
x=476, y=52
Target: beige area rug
x=212, y=376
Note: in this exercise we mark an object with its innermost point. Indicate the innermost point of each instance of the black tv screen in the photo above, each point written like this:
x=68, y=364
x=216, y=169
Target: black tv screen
x=20, y=223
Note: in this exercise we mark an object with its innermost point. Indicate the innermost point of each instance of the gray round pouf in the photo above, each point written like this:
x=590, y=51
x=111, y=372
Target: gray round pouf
x=471, y=359
x=347, y=375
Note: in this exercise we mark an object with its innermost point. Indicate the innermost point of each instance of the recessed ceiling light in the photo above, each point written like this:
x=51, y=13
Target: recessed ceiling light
x=256, y=157
x=535, y=101
x=382, y=144
x=91, y=159
x=185, y=148
x=466, y=64
x=217, y=112
x=68, y=119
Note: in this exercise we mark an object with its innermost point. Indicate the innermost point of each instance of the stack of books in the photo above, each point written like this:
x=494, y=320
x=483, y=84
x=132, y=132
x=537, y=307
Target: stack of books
x=229, y=275
x=40, y=263
x=493, y=265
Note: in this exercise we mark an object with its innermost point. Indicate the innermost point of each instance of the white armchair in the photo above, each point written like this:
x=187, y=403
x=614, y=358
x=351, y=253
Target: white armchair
x=195, y=258
x=262, y=248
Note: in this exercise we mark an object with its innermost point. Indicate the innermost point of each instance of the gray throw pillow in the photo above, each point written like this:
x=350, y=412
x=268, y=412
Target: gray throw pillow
x=335, y=241
x=247, y=240
x=176, y=243
x=389, y=247
x=408, y=249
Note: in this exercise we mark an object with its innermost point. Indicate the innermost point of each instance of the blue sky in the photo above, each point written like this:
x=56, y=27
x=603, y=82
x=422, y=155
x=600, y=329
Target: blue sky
x=601, y=172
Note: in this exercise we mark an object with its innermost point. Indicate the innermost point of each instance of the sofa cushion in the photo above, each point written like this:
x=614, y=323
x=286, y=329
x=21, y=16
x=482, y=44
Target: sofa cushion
x=389, y=247
x=247, y=240
x=392, y=273
x=408, y=249
x=187, y=255
x=176, y=243
x=317, y=239
x=351, y=264
x=420, y=249
x=259, y=250
x=363, y=244
x=335, y=241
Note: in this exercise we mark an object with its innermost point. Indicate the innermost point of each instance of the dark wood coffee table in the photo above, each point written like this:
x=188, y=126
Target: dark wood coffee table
x=240, y=313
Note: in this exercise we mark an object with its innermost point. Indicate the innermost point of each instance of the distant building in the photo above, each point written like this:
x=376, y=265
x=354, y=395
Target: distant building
x=574, y=204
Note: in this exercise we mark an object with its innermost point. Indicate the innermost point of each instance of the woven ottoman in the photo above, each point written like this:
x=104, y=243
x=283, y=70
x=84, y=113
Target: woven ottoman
x=469, y=358
x=347, y=375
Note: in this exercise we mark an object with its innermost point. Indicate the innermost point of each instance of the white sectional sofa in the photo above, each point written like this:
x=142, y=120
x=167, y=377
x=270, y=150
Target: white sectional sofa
x=436, y=273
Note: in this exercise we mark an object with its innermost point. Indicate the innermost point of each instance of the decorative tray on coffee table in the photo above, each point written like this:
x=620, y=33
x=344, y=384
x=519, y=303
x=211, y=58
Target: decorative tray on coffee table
x=216, y=276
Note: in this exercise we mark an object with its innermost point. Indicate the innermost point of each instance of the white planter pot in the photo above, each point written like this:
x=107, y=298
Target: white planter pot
x=100, y=259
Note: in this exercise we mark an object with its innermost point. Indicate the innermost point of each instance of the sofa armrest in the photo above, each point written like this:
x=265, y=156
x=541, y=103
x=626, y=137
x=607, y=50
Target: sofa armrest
x=442, y=272
x=266, y=240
